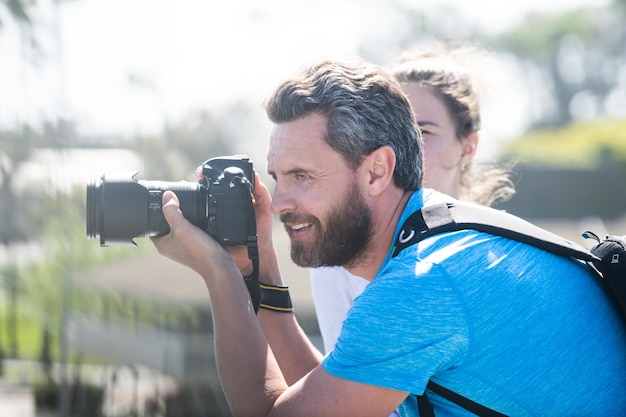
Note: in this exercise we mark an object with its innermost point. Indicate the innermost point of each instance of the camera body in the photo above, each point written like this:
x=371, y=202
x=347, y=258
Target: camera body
x=120, y=208
x=228, y=183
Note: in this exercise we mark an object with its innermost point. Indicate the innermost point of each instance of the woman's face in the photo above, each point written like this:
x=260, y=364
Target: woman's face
x=445, y=155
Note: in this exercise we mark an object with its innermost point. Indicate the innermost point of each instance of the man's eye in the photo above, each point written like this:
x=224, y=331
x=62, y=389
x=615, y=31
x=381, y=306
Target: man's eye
x=302, y=177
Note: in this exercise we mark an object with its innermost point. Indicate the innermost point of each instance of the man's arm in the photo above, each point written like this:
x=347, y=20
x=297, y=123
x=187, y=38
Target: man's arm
x=294, y=351
x=251, y=378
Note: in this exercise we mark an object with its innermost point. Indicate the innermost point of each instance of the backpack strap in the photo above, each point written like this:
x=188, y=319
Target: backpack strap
x=449, y=217
x=426, y=409
x=612, y=253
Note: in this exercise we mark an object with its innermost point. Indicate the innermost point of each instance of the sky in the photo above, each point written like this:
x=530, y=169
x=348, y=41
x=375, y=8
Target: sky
x=128, y=65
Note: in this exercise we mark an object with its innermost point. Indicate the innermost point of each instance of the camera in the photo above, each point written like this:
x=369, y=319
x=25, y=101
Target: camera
x=120, y=208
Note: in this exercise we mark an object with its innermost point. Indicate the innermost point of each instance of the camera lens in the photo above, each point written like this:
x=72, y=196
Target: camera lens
x=120, y=208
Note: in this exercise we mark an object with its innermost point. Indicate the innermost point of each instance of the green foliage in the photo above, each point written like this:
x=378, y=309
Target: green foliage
x=28, y=336
x=131, y=310
x=24, y=210
x=48, y=288
x=579, y=51
x=580, y=144
x=67, y=250
x=16, y=148
x=539, y=36
x=17, y=145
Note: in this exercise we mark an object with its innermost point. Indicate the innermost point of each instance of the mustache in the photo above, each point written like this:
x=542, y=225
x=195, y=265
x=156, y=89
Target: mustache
x=295, y=218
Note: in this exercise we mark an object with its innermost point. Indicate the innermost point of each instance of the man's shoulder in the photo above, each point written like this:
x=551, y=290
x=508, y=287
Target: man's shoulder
x=425, y=197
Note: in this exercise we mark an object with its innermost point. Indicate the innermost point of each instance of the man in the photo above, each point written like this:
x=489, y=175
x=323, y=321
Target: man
x=512, y=327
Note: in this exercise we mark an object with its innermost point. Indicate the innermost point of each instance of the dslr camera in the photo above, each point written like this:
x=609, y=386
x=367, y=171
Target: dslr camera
x=120, y=208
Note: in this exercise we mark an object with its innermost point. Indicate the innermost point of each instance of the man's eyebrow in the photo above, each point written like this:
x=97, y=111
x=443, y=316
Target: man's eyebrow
x=289, y=172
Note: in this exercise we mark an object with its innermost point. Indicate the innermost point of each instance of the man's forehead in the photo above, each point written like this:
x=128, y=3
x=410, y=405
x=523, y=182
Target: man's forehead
x=291, y=155
x=297, y=137
x=308, y=154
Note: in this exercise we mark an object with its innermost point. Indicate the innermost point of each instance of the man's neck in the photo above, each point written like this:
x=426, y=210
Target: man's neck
x=385, y=219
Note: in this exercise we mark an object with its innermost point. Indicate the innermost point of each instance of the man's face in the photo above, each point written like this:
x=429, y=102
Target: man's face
x=316, y=195
x=340, y=241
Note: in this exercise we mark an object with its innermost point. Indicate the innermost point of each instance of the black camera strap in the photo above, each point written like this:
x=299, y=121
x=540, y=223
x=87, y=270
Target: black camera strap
x=252, y=280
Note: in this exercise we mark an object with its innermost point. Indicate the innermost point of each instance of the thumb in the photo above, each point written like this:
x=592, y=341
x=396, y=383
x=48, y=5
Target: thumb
x=171, y=206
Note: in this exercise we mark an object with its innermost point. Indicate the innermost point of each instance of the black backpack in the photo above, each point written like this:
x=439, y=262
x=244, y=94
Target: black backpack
x=607, y=259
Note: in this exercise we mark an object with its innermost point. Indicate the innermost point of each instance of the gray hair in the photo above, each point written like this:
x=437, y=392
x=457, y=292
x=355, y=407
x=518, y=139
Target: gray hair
x=365, y=109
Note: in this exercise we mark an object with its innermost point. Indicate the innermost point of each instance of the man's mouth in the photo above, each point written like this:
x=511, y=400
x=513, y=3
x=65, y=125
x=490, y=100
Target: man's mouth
x=300, y=226
x=297, y=230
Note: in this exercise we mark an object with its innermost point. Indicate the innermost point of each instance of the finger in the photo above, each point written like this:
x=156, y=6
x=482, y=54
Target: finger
x=171, y=206
x=261, y=193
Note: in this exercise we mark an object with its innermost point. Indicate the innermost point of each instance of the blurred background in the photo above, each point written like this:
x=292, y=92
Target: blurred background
x=158, y=86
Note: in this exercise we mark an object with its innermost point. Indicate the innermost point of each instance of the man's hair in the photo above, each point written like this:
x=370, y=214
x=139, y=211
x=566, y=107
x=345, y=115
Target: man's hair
x=365, y=109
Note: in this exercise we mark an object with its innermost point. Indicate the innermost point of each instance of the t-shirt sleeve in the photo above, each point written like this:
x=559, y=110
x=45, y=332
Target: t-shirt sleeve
x=408, y=324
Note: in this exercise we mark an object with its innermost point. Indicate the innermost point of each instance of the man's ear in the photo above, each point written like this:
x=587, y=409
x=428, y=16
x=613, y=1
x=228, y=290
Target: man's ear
x=381, y=165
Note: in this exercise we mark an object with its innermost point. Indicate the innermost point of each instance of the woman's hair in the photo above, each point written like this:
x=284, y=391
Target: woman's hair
x=439, y=69
x=365, y=109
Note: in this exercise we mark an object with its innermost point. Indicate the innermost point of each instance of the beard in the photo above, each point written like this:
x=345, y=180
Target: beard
x=346, y=237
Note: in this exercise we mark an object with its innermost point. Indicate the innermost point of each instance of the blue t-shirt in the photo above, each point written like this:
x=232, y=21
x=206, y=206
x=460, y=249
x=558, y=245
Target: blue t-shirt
x=515, y=328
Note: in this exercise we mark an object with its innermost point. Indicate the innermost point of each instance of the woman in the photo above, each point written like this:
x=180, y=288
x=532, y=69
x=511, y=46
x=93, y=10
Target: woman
x=445, y=100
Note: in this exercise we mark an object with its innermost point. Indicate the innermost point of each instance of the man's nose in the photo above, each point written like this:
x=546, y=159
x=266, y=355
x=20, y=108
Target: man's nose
x=281, y=201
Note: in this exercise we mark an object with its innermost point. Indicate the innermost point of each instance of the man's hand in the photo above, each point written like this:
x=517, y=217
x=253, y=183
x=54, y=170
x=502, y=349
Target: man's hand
x=264, y=226
x=188, y=244
x=268, y=261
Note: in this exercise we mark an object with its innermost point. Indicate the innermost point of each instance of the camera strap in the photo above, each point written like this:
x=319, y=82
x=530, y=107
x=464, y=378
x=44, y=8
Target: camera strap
x=252, y=280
